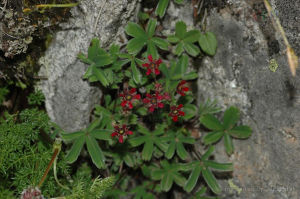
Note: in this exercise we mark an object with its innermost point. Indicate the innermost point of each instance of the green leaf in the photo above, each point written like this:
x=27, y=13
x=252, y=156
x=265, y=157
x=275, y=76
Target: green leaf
x=211, y=181
x=161, y=43
x=208, y=43
x=136, y=74
x=188, y=140
x=180, y=68
x=218, y=166
x=135, y=30
x=109, y=75
x=148, y=150
x=191, y=36
x=117, y=65
x=151, y=26
x=180, y=29
x=211, y=122
x=97, y=55
x=231, y=116
x=95, y=152
x=166, y=182
x=180, y=150
x=129, y=160
x=143, y=16
x=100, y=76
x=179, y=49
x=241, y=132
x=179, y=179
x=190, y=76
x=157, y=174
x=84, y=59
x=178, y=1
x=228, y=144
x=95, y=123
x=171, y=150
x=142, y=111
x=71, y=136
x=190, y=111
x=75, y=150
x=101, y=134
x=161, y=8
x=173, y=39
x=137, y=141
x=212, y=137
x=161, y=144
x=191, y=49
x=135, y=45
x=151, y=49
x=209, y=151
x=192, y=180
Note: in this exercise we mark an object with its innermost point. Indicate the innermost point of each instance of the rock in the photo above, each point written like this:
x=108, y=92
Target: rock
x=267, y=165
x=16, y=32
x=69, y=99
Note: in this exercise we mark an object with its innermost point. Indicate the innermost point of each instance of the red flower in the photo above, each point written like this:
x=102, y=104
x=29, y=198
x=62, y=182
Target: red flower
x=128, y=97
x=176, y=112
x=181, y=88
x=152, y=66
x=153, y=101
x=121, y=132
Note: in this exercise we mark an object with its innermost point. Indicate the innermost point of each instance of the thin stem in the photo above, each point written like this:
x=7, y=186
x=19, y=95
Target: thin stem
x=67, y=5
x=48, y=167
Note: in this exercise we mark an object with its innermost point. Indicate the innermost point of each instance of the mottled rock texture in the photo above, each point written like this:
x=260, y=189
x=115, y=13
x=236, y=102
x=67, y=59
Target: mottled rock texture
x=267, y=165
x=69, y=99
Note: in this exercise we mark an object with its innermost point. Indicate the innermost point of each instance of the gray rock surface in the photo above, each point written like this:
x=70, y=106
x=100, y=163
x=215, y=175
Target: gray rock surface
x=267, y=165
x=69, y=99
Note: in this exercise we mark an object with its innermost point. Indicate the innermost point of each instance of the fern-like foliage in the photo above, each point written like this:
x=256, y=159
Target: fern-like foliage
x=96, y=190
x=24, y=156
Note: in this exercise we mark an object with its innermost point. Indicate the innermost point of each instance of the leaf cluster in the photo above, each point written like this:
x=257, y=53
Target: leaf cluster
x=226, y=129
x=156, y=147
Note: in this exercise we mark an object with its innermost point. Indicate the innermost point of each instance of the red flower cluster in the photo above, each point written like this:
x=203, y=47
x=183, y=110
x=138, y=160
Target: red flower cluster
x=128, y=97
x=181, y=88
x=152, y=66
x=176, y=112
x=121, y=132
x=153, y=101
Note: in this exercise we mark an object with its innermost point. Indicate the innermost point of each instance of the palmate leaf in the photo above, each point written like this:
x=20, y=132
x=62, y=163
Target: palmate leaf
x=95, y=152
x=240, y=132
x=211, y=122
x=121, y=154
x=204, y=165
x=75, y=150
x=212, y=137
x=176, y=143
x=142, y=38
x=192, y=180
x=231, y=116
x=226, y=129
x=150, y=141
x=185, y=40
x=88, y=136
x=141, y=192
x=168, y=174
x=211, y=181
x=96, y=55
